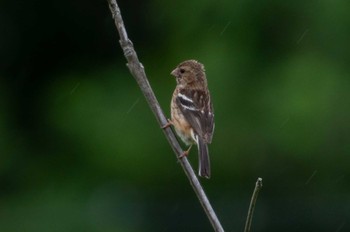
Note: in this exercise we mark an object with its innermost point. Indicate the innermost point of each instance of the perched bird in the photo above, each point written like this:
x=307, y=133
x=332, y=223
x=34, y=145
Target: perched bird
x=192, y=113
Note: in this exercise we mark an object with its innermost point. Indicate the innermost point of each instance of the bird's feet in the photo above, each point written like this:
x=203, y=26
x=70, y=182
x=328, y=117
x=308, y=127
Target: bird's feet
x=185, y=153
x=170, y=123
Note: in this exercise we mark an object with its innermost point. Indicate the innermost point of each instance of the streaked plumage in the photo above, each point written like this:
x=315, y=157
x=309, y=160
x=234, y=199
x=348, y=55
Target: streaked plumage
x=192, y=111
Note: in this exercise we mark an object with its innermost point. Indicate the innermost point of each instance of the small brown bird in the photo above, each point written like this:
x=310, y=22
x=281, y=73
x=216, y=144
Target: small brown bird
x=192, y=112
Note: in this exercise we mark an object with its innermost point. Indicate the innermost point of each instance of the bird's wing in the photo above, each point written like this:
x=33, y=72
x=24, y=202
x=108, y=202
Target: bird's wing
x=198, y=111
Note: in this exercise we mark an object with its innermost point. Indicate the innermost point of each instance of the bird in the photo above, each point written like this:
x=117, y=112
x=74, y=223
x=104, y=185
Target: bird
x=192, y=113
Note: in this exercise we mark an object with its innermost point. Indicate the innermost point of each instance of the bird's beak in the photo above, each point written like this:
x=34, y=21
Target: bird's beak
x=174, y=72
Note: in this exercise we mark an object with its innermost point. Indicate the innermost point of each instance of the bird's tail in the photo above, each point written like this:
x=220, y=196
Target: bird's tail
x=204, y=162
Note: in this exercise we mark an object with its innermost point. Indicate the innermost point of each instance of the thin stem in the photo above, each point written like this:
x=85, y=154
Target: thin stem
x=248, y=223
x=138, y=72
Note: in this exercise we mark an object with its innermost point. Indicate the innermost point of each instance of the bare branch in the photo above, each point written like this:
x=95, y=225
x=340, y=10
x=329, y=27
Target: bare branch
x=138, y=72
x=248, y=223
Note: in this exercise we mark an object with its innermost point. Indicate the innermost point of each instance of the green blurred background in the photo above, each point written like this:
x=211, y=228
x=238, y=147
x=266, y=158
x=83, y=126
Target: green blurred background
x=81, y=151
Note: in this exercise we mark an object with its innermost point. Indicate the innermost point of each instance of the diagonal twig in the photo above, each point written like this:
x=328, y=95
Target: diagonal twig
x=138, y=72
x=248, y=223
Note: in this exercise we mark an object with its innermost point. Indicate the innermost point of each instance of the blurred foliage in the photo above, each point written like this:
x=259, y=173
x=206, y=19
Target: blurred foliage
x=81, y=151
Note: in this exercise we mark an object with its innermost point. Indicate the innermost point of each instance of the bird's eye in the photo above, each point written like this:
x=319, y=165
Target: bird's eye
x=182, y=70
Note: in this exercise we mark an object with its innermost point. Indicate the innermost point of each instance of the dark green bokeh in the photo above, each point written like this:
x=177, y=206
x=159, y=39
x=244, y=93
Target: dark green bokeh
x=81, y=151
